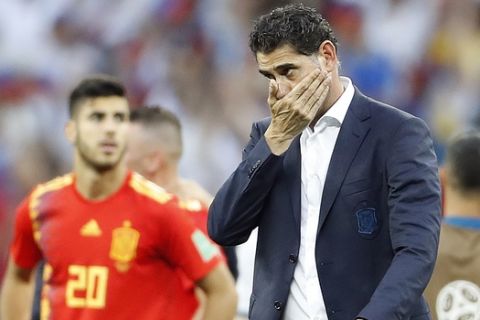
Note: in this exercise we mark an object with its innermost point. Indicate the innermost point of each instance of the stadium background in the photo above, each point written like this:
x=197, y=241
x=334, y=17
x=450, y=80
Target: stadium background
x=192, y=57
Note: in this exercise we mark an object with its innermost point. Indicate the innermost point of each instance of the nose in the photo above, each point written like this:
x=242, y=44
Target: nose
x=283, y=88
x=110, y=125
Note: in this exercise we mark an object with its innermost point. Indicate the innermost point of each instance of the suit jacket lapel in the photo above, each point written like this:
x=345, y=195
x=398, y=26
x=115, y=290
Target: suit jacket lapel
x=293, y=165
x=352, y=133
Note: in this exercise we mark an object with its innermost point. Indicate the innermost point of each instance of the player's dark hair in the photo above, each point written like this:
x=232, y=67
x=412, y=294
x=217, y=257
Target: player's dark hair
x=95, y=87
x=463, y=158
x=302, y=27
x=155, y=116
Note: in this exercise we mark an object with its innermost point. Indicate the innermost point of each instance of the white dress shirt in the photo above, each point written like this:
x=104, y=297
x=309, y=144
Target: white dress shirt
x=305, y=300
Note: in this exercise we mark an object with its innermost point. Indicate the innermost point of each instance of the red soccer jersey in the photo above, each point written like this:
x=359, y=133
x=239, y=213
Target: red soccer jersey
x=117, y=258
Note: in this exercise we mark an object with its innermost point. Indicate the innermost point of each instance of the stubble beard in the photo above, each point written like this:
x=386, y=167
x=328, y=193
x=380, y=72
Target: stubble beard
x=86, y=154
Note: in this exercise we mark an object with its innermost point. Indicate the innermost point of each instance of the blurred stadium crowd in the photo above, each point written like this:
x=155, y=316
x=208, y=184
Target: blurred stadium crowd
x=192, y=57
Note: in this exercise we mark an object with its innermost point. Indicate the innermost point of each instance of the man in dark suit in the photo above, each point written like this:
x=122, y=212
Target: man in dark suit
x=344, y=190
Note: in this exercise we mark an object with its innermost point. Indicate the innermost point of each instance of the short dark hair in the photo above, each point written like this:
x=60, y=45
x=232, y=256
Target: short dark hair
x=302, y=27
x=157, y=117
x=95, y=87
x=463, y=161
x=154, y=115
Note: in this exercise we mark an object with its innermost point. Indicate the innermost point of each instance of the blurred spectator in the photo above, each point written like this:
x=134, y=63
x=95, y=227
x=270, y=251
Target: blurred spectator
x=369, y=69
x=454, y=290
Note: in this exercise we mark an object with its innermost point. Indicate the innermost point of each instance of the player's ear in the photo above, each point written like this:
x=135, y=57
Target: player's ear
x=71, y=131
x=327, y=56
x=155, y=162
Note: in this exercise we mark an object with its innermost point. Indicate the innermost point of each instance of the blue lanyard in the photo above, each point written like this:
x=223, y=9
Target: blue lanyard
x=463, y=222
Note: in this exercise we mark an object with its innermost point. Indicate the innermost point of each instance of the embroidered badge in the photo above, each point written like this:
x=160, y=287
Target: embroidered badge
x=366, y=221
x=124, y=246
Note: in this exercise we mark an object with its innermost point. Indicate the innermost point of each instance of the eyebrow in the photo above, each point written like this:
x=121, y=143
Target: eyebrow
x=280, y=68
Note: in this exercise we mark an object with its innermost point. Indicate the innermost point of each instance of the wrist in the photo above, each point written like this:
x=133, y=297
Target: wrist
x=277, y=143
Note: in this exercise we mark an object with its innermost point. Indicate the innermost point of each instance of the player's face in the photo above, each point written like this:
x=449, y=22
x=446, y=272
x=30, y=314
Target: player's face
x=100, y=136
x=138, y=150
x=286, y=67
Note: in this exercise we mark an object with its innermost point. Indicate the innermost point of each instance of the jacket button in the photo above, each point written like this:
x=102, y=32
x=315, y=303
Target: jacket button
x=292, y=258
x=277, y=305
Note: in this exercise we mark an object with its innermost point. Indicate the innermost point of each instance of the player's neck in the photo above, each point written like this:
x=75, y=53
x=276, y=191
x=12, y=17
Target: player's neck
x=461, y=205
x=168, y=179
x=95, y=185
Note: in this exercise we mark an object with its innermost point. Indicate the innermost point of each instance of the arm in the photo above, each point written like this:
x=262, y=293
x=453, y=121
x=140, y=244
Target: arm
x=414, y=206
x=17, y=293
x=221, y=297
x=236, y=209
x=237, y=206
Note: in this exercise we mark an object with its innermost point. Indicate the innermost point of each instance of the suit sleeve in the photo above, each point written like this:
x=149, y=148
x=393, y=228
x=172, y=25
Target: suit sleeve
x=235, y=211
x=414, y=206
x=24, y=250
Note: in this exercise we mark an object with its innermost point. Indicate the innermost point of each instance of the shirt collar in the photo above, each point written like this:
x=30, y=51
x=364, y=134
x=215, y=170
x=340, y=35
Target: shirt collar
x=339, y=109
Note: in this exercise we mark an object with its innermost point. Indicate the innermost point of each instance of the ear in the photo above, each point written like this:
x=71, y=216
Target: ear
x=327, y=54
x=71, y=131
x=155, y=162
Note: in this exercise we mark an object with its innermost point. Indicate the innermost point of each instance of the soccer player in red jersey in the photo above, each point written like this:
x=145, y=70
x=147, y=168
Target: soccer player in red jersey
x=154, y=150
x=113, y=242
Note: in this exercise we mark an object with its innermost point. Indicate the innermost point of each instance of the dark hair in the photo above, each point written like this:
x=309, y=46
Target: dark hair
x=94, y=87
x=463, y=159
x=154, y=115
x=297, y=25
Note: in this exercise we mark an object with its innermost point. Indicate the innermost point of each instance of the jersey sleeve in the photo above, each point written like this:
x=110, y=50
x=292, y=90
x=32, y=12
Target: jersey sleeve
x=188, y=247
x=24, y=251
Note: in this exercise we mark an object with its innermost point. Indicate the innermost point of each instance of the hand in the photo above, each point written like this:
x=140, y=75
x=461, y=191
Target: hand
x=295, y=111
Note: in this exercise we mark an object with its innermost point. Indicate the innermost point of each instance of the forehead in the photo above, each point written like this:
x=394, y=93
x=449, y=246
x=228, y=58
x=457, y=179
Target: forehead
x=284, y=54
x=111, y=104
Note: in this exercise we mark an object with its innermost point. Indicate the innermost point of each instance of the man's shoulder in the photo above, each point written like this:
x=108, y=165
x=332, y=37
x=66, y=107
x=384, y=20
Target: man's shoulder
x=382, y=112
x=379, y=109
x=385, y=119
x=191, y=191
x=147, y=192
x=56, y=185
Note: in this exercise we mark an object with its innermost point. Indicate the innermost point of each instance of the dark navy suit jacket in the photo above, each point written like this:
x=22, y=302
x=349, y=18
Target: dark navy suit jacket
x=379, y=219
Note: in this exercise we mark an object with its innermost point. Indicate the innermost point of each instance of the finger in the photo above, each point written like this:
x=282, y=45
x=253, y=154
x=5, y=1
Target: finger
x=310, y=91
x=272, y=93
x=317, y=100
x=304, y=84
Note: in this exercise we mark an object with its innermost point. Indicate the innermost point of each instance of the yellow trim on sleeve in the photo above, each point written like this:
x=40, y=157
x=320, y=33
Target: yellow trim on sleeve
x=149, y=189
x=40, y=190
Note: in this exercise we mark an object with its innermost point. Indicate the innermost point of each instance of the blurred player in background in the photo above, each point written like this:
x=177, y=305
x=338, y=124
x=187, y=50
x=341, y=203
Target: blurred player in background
x=454, y=290
x=112, y=242
x=154, y=150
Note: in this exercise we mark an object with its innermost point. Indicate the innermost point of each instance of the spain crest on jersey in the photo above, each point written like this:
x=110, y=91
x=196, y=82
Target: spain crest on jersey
x=124, y=246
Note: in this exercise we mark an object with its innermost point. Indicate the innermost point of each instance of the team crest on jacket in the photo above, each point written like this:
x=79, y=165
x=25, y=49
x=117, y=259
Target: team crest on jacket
x=124, y=246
